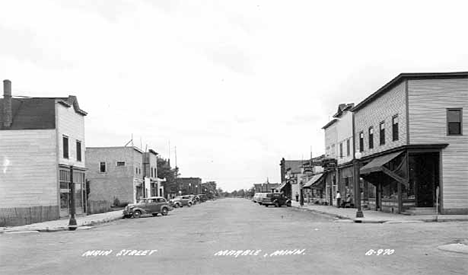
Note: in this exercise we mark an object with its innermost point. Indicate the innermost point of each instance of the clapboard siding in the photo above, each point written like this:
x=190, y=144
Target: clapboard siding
x=71, y=124
x=428, y=102
x=331, y=137
x=28, y=168
x=381, y=109
x=345, y=132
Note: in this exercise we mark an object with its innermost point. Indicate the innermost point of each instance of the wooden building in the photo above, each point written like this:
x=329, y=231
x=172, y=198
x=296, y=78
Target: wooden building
x=411, y=134
x=40, y=140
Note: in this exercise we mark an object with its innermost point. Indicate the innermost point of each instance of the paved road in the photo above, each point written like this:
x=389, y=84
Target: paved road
x=189, y=241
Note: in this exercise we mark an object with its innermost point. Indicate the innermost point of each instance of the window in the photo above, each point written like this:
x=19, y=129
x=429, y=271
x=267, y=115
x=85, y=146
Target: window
x=348, y=151
x=65, y=147
x=151, y=172
x=371, y=137
x=102, y=167
x=395, y=127
x=78, y=150
x=361, y=141
x=382, y=133
x=341, y=149
x=120, y=163
x=454, y=122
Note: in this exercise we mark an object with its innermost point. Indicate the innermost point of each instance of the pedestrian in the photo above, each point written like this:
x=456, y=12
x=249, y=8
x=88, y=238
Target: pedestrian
x=338, y=199
x=297, y=197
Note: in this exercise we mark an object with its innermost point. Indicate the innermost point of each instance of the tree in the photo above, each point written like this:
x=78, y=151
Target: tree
x=166, y=172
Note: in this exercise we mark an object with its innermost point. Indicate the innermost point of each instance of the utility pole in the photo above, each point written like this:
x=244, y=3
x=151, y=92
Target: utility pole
x=72, y=223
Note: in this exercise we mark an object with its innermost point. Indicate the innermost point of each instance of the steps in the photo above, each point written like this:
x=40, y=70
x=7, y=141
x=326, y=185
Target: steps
x=420, y=211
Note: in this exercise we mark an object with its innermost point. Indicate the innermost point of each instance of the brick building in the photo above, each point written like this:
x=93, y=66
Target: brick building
x=189, y=186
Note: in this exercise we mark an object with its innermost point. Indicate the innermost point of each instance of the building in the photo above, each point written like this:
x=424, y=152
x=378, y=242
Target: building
x=120, y=175
x=411, y=137
x=42, y=143
x=290, y=172
x=266, y=187
x=339, y=148
x=189, y=185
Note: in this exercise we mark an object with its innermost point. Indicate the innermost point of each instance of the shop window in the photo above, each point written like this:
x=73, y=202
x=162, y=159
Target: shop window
x=65, y=147
x=102, y=167
x=371, y=137
x=382, y=132
x=395, y=128
x=454, y=122
x=361, y=141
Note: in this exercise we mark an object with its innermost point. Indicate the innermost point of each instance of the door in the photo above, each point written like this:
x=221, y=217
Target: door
x=424, y=173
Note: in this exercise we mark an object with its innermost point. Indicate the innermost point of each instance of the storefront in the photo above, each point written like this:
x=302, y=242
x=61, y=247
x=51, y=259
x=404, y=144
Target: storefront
x=401, y=180
x=315, y=189
x=79, y=179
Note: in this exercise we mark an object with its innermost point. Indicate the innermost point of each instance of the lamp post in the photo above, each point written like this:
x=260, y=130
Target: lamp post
x=357, y=185
x=72, y=222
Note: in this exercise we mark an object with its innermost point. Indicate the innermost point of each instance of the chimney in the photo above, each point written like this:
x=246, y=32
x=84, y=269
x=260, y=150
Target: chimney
x=7, y=117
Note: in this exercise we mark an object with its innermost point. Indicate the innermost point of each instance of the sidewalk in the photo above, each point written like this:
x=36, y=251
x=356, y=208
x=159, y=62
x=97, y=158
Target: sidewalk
x=62, y=224
x=371, y=216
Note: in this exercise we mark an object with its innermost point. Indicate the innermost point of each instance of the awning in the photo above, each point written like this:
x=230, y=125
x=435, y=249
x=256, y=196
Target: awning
x=376, y=164
x=281, y=186
x=315, y=180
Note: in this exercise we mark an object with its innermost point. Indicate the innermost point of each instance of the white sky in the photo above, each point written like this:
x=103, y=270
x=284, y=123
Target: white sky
x=235, y=85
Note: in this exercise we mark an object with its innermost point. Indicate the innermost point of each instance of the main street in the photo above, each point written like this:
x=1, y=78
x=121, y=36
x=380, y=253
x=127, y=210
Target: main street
x=236, y=236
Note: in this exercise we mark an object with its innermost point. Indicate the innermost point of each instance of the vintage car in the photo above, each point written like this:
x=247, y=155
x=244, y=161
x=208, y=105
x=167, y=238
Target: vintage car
x=151, y=205
x=276, y=199
x=181, y=201
x=258, y=197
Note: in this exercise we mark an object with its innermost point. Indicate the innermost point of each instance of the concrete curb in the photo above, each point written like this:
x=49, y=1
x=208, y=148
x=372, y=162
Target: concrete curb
x=86, y=225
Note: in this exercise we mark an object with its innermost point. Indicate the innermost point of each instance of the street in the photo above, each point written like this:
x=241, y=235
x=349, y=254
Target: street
x=236, y=236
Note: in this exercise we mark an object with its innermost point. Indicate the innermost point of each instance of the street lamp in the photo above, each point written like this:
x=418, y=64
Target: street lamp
x=357, y=185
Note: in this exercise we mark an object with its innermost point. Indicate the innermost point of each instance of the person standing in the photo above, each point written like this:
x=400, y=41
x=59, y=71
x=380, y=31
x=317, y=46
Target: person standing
x=297, y=197
x=338, y=199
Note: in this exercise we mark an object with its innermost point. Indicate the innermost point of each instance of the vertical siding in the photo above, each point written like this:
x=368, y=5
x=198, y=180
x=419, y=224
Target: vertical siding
x=71, y=124
x=345, y=132
x=28, y=168
x=428, y=103
x=382, y=109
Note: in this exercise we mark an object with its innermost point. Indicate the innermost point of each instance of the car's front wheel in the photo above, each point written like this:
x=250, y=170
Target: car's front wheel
x=189, y=204
x=288, y=204
x=137, y=214
x=277, y=204
x=164, y=211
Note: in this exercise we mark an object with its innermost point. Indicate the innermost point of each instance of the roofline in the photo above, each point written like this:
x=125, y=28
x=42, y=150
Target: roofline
x=329, y=123
x=116, y=147
x=405, y=76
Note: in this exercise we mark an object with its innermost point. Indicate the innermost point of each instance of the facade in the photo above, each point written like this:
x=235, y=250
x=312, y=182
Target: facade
x=116, y=175
x=153, y=185
x=411, y=134
x=330, y=166
x=42, y=143
x=188, y=186
x=291, y=176
x=266, y=187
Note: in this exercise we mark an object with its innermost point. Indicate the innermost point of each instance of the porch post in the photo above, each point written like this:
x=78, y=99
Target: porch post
x=72, y=222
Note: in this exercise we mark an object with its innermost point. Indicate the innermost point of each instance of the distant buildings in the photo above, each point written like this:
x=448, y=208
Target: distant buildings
x=188, y=186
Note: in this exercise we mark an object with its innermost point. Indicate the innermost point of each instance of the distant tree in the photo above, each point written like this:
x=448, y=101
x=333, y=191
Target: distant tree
x=165, y=171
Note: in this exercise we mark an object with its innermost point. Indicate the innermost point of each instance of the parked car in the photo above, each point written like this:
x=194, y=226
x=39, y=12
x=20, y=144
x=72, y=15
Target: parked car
x=202, y=197
x=181, y=201
x=258, y=197
x=151, y=205
x=276, y=199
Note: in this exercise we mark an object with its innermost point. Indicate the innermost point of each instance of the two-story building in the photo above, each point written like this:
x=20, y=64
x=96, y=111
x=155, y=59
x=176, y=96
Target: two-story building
x=291, y=172
x=116, y=176
x=42, y=143
x=189, y=185
x=330, y=178
x=412, y=140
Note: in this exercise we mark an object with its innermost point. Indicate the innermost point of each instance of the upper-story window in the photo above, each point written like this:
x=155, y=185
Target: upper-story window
x=454, y=122
x=395, y=128
x=361, y=141
x=151, y=169
x=65, y=147
x=341, y=149
x=120, y=163
x=102, y=167
x=348, y=151
x=371, y=137
x=78, y=150
x=382, y=132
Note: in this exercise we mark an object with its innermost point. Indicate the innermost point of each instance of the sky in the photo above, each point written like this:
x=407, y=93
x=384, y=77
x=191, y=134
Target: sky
x=231, y=86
